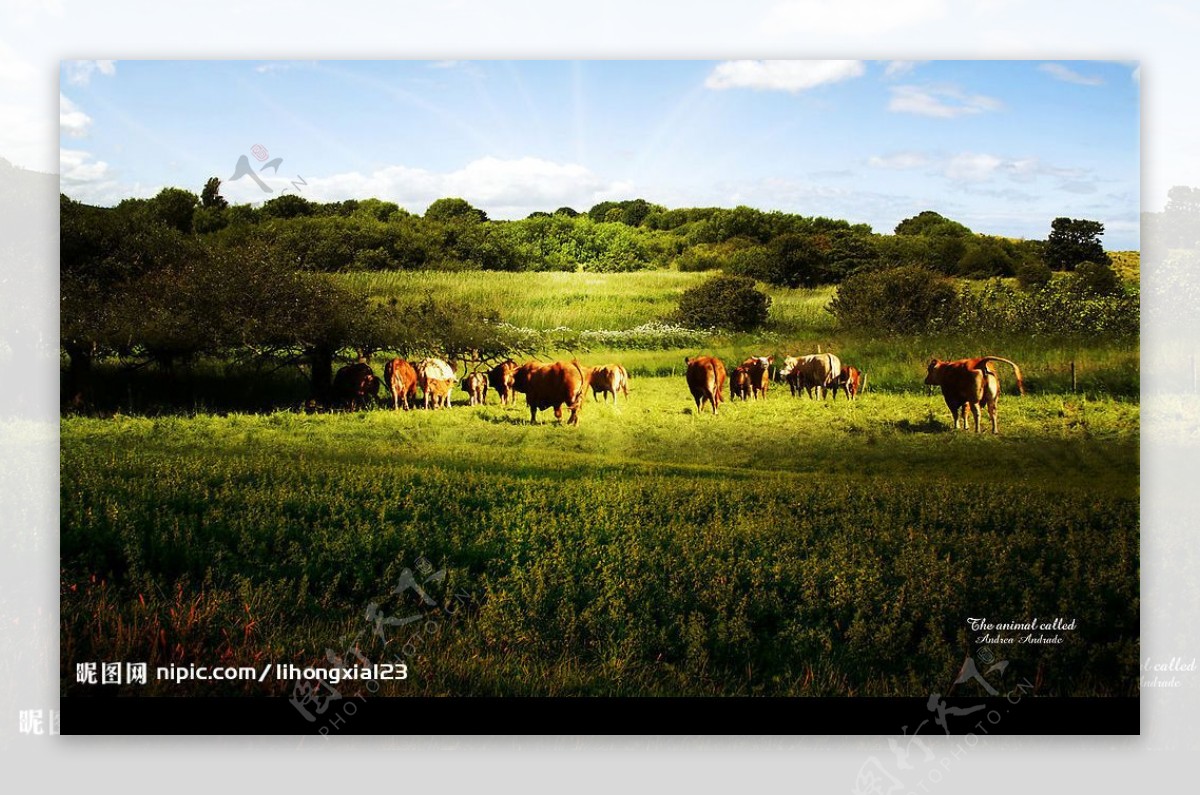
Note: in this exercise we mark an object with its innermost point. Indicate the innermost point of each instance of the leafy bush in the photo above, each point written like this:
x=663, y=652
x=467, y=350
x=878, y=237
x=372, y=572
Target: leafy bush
x=1033, y=274
x=1096, y=279
x=901, y=300
x=733, y=303
x=1056, y=308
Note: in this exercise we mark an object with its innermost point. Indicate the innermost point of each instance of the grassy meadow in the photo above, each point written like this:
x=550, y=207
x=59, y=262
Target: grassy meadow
x=783, y=547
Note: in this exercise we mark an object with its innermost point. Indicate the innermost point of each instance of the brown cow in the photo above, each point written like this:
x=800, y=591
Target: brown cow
x=759, y=370
x=609, y=380
x=401, y=381
x=353, y=384
x=550, y=386
x=501, y=379
x=850, y=381
x=966, y=383
x=706, y=380
x=476, y=386
x=436, y=378
x=739, y=383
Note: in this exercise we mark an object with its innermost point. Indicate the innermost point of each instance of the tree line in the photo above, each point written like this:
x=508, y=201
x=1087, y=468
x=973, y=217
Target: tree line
x=168, y=279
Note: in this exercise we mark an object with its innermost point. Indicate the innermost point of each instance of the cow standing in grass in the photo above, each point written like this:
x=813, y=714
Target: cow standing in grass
x=706, y=380
x=501, y=379
x=851, y=381
x=436, y=378
x=401, y=380
x=815, y=372
x=758, y=368
x=609, y=380
x=353, y=385
x=552, y=386
x=739, y=383
x=966, y=383
x=476, y=385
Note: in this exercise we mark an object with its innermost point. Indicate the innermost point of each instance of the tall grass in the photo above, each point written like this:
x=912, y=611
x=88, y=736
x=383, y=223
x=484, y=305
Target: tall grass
x=785, y=546
x=583, y=301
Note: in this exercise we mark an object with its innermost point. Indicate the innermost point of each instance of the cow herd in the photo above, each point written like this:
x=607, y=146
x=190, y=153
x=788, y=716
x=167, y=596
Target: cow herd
x=966, y=384
x=815, y=375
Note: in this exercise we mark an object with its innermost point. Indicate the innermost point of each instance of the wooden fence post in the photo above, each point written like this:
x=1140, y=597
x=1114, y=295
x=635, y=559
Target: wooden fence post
x=1074, y=383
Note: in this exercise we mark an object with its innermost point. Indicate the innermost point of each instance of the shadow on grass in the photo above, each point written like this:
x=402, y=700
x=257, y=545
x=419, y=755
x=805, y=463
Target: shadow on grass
x=927, y=425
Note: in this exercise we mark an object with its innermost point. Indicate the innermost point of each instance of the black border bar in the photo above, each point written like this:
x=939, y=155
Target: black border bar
x=369, y=715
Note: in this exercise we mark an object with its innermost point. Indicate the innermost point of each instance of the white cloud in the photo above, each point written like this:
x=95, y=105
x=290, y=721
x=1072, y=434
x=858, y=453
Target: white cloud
x=969, y=167
x=898, y=68
x=781, y=75
x=71, y=120
x=943, y=102
x=84, y=178
x=79, y=73
x=973, y=167
x=898, y=160
x=851, y=17
x=503, y=188
x=1068, y=75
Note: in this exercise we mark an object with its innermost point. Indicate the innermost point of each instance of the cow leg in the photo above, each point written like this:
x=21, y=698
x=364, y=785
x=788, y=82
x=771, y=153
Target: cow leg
x=991, y=407
x=533, y=415
x=974, y=416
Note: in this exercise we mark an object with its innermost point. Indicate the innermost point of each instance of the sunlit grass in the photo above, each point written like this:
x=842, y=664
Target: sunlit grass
x=785, y=546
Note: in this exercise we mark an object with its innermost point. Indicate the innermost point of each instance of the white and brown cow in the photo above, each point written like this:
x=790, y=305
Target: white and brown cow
x=476, y=385
x=814, y=372
x=609, y=380
x=437, y=379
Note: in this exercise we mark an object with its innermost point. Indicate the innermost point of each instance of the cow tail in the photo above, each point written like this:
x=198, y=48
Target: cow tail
x=714, y=381
x=583, y=385
x=1016, y=370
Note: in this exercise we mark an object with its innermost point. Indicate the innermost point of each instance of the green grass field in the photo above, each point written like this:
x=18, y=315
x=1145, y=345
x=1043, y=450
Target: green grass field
x=783, y=547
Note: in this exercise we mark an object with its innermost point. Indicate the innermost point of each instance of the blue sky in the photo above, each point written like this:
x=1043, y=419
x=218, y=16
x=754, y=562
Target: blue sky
x=1002, y=146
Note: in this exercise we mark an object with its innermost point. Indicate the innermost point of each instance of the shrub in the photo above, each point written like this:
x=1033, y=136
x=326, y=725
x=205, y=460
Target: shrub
x=732, y=303
x=1096, y=279
x=1033, y=274
x=902, y=300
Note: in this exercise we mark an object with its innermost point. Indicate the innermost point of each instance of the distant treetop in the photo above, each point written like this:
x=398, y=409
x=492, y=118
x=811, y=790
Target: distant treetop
x=932, y=224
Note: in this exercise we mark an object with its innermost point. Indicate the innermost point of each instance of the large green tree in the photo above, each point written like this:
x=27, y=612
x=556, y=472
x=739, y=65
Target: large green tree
x=1073, y=241
x=932, y=224
x=210, y=197
x=454, y=209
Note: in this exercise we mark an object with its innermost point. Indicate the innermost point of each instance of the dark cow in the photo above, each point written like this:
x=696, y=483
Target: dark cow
x=739, y=383
x=476, y=386
x=551, y=386
x=353, y=384
x=501, y=379
x=706, y=380
x=966, y=383
x=851, y=381
x=401, y=381
x=609, y=380
x=759, y=370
